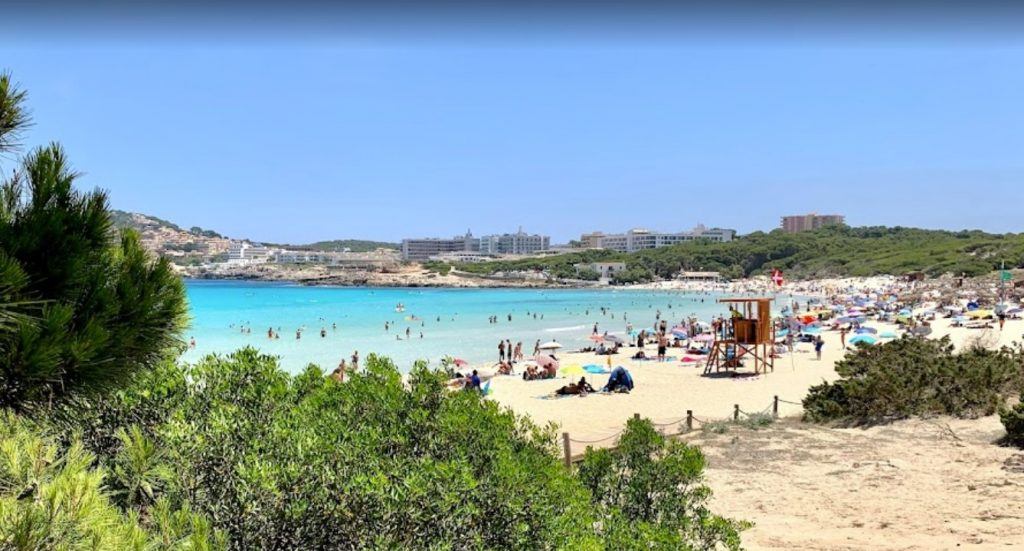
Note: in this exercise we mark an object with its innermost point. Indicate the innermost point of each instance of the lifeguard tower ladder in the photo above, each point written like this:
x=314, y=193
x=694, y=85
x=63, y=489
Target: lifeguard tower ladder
x=752, y=335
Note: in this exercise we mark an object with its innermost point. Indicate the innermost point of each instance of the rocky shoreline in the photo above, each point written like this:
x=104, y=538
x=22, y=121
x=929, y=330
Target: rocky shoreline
x=407, y=276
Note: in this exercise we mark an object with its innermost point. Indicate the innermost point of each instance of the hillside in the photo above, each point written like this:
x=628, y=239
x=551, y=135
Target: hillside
x=169, y=240
x=834, y=251
x=354, y=245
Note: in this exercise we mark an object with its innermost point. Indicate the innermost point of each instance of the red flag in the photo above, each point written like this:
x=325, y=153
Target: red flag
x=777, y=277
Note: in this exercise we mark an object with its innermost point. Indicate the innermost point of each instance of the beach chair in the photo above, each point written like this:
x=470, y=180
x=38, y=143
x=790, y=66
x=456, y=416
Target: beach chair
x=486, y=389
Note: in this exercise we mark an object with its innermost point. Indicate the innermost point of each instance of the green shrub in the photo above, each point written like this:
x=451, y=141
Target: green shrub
x=304, y=462
x=913, y=376
x=57, y=500
x=649, y=493
x=1013, y=421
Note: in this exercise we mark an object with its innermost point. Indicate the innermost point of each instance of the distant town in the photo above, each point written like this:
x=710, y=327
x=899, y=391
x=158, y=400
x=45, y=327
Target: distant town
x=204, y=253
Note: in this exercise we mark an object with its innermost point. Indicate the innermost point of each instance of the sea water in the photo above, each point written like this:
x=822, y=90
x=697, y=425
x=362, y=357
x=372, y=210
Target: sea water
x=227, y=315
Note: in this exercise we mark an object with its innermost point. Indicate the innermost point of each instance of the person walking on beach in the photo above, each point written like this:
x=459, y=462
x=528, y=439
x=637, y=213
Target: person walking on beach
x=842, y=337
x=518, y=356
x=536, y=347
x=508, y=350
x=501, y=351
x=819, y=343
x=355, y=360
x=662, y=346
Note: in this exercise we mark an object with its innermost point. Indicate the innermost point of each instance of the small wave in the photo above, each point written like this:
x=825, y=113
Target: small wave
x=565, y=329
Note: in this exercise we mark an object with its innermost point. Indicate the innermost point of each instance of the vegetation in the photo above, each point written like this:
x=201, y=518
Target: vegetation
x=86, y=307
x=830, y=251
x=1013, y=421
x=913, y=376
x=53, y=499
x=649, y=493
x=440, y=268
x=279, y=461
x=354, y=245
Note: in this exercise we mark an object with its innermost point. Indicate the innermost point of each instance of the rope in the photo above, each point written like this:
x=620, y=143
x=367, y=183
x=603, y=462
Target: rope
x=676, y=422
x=788, y=402
x=595, y=441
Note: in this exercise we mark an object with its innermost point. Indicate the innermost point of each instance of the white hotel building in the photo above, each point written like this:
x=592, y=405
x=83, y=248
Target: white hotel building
x=638, y=239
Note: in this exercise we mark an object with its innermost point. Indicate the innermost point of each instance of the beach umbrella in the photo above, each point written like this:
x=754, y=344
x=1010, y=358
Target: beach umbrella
x=1015, y=310
x=546, y=362
x=550, y=345
x=595, y=369
x=572, y=370
x=596, y=338
x=863, y=330
x=812, y=329
x=704, y=337
x=921, y=331
x=460, y=362
x=614, y=338
x=863, y=338
x=682, y=334
x=978, y=314
x=887, y=335
x=782, y=332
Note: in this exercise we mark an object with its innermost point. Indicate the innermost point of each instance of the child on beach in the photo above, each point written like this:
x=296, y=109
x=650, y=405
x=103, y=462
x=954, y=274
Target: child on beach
x=819, y=343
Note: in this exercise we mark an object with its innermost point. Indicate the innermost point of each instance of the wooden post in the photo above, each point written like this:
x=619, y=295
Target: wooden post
x=636, y=416
x=689, y=419
x=735, y=412
x=775, y=407
x=568, y=450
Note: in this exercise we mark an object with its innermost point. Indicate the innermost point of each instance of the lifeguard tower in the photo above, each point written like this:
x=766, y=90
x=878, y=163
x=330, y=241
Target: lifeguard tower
x=752, y=334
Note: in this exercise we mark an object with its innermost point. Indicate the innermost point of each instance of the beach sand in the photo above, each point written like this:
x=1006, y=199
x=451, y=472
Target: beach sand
x=935, y=484
x=666, y=390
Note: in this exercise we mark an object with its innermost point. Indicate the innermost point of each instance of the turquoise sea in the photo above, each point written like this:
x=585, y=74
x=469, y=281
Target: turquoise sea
x=452, y=321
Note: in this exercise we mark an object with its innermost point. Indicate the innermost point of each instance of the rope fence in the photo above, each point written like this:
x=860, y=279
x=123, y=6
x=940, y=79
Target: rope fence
x=685, y=423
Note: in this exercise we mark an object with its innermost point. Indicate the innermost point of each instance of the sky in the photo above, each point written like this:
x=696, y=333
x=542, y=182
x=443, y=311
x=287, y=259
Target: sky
x=297, y=128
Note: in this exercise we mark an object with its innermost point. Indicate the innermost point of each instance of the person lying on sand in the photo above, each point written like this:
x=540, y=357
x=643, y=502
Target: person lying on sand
x=581, y=388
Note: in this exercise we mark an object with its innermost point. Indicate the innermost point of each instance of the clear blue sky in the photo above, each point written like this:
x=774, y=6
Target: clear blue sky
x=381, y=135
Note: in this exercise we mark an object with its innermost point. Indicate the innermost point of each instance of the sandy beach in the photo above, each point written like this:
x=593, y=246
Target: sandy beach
x=917, y=484
x=665, y=390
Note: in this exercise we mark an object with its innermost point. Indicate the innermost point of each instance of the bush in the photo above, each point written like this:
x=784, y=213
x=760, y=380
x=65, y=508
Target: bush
x=279, y=461
x=1013, y=421
x=57, y=500
x=913, y=376
x=649, y=493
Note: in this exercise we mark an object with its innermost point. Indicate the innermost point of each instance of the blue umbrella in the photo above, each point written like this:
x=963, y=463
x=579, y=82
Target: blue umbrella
x=863, y=338
x=888, y=335
x=863, y=330
x=811, y=329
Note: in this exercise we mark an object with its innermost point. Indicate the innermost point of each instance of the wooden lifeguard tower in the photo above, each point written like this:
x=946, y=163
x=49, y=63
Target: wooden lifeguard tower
x=750, y=333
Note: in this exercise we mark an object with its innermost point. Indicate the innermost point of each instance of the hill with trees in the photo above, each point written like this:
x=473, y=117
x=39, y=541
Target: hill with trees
x=831, y=251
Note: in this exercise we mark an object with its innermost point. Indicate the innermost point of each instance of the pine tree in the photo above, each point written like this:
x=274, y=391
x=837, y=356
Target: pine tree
x=82, y=307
